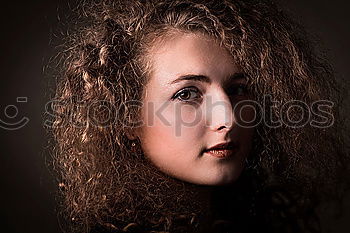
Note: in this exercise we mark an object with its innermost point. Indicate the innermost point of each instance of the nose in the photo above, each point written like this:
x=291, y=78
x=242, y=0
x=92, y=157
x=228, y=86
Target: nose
x=219, y=112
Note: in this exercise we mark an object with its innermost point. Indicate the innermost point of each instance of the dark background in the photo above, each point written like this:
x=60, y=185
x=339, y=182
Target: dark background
x=28, y=41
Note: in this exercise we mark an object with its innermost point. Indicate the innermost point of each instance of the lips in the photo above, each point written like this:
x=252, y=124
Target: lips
x=222, y=150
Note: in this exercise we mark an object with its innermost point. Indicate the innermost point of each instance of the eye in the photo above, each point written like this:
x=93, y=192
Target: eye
x=237, y=90
x=187, y=94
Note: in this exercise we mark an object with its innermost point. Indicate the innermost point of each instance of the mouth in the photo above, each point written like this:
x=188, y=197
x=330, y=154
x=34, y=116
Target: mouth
x=222, y=150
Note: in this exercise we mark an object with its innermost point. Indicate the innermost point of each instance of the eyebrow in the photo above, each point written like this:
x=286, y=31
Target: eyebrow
x=206, y=79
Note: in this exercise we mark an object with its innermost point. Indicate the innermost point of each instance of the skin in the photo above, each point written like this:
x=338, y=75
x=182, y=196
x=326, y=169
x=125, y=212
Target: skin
x=179, y=124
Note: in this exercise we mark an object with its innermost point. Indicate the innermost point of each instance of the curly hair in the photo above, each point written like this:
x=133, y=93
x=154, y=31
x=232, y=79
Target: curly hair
x=105, y=185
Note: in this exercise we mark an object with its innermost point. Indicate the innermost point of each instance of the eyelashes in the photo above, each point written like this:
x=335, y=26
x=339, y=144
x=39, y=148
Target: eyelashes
x=188, y=94
x=193, y=95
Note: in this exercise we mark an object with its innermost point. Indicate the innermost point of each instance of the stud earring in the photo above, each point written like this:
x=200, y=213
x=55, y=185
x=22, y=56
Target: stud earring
x=133, y=147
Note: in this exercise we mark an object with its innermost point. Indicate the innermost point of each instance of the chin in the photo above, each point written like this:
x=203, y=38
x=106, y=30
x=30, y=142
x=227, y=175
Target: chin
x=220, y=179
x=223, y=181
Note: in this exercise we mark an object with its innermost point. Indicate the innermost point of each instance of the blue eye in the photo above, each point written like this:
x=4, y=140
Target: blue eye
x=187, y=94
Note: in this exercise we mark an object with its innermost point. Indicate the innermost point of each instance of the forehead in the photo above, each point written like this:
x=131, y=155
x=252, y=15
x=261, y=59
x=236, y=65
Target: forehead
x=189, y=53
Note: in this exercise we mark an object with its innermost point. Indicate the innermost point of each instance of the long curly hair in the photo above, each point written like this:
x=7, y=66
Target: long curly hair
x=106, y=185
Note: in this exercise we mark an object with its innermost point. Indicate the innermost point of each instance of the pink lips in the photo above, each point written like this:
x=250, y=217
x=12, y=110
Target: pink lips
x=222, y=150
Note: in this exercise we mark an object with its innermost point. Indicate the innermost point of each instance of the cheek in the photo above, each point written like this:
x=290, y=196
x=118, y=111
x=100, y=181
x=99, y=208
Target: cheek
x=245, y=115
x=171, y=119
x=246, y=120
x=170, y=144
x=169, y=128
x=245, y=140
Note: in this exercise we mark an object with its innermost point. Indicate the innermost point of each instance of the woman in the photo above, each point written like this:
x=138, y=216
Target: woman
x=195, y=116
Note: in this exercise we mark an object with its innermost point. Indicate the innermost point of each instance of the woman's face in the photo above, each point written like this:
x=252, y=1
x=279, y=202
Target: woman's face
x=190, y=106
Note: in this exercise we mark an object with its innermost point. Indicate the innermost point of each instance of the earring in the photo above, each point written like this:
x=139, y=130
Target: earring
x=133, y=147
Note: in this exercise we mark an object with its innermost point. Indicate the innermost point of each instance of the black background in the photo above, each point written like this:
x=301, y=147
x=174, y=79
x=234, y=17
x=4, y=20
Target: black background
x=27, y=42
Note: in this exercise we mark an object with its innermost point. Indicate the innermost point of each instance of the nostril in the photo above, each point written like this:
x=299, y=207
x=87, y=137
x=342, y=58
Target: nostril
x=221, y=127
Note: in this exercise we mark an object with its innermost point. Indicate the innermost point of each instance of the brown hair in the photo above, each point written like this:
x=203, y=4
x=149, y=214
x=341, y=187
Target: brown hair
x=105, y=67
